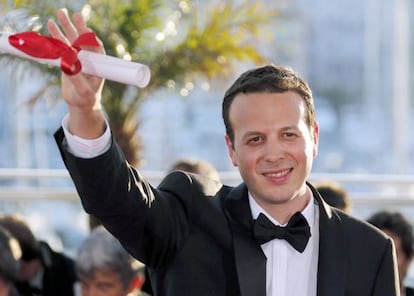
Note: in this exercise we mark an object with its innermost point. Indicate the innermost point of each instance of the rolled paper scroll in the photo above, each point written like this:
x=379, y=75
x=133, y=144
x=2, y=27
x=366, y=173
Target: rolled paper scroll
x=72, y=59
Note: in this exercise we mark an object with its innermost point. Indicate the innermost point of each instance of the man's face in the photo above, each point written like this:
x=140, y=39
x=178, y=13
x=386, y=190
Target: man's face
x=273, y=147
x=103, y=283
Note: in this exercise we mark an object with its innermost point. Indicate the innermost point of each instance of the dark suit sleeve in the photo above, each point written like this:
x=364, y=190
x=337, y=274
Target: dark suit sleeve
x=151, y=223
x=386, y=283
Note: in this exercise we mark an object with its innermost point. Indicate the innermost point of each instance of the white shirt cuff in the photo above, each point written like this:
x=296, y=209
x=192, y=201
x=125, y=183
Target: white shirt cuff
x=86, y=148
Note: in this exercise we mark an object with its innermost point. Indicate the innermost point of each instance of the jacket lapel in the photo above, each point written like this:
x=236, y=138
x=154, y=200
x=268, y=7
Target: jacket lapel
x=332, y=260
x=249, y=257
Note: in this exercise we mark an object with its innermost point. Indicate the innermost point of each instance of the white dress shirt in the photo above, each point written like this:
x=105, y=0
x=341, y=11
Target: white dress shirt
x=288, y=272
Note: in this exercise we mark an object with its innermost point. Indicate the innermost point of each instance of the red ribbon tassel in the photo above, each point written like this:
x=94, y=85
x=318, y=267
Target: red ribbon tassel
x=38, y=46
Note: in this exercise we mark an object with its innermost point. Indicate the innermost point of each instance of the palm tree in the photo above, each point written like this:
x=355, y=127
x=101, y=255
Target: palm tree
x=177, y=41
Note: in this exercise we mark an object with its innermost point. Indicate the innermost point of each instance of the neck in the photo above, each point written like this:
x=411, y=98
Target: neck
x=282, y=213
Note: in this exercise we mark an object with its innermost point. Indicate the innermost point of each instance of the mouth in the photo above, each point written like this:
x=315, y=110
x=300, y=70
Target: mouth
x=279, y=174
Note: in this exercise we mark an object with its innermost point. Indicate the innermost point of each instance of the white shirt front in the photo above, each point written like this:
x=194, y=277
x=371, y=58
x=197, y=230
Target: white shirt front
x=288, y=272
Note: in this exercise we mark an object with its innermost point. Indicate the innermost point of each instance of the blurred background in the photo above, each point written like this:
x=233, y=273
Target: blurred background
x=357, y=56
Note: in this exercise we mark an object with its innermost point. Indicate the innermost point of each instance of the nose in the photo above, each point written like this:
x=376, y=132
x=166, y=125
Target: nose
x=274, y=150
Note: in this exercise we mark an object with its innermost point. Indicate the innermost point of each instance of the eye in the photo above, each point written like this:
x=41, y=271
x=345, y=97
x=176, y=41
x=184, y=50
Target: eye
x=289, y=135
x=255, y=140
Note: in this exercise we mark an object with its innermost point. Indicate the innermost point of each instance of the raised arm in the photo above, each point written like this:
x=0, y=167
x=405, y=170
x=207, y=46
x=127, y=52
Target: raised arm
x=81, y=92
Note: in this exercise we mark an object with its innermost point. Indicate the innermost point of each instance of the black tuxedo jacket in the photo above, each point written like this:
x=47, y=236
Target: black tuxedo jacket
x=195, y=235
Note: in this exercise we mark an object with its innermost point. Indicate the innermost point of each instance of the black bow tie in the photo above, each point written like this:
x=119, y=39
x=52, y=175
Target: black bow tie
x=296, y=232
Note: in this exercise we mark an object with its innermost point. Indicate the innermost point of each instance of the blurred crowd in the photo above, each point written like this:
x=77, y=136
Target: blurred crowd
x=30, y=267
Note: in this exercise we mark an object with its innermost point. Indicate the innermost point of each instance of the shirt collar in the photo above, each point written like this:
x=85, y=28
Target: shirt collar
x=308, y=212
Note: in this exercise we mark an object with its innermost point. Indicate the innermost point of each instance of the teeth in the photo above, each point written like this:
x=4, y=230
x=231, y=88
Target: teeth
x=280, y=174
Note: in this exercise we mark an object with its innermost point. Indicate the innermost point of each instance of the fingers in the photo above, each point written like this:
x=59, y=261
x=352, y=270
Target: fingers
x=71, y=30
x=68, y=28
x=55, y=32
x=79, y=23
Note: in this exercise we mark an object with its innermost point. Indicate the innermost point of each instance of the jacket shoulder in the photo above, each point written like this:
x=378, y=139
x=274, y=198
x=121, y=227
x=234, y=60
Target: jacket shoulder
x=357, y=229
x=179, y=182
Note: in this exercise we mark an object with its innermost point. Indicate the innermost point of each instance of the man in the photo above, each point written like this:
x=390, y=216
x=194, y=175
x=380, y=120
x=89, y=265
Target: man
x=400, y=230
x=105, y=268
x=201, y=238
x=42, y=270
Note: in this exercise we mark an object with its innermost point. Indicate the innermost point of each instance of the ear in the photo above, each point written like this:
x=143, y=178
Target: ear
x=230, y=149
x=315, y=137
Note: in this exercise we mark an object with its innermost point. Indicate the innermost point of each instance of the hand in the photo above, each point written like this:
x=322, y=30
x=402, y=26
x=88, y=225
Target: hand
x=81, y=92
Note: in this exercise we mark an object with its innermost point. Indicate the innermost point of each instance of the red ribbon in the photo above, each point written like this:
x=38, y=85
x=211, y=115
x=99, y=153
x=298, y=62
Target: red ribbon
x=44, y=47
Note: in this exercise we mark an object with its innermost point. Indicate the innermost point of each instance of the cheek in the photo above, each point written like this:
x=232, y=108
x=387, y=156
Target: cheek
x=246, y=159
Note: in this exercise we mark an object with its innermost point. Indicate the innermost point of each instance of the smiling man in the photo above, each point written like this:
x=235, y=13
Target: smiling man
x=272, y=235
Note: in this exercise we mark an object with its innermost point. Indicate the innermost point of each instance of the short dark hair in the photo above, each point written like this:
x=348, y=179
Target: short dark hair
x=269, y=78
x=396, y=223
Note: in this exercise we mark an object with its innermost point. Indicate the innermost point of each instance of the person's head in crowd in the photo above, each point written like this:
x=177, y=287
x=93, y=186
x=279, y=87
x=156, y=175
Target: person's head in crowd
x=30, y=259
x=10, y=253
x=334, y=194
x=400, y=230
x=104, y=267
x=197, y=166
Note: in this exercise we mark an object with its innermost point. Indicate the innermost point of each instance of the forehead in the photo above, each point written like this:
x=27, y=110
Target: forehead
x=103, y=275
x=267, y=105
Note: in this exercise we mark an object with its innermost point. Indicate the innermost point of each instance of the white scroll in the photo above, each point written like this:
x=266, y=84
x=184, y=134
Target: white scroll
x=100, y=65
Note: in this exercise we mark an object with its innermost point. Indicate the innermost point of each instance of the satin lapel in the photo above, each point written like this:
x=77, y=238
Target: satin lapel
x=332, y=260
x=249, y=257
